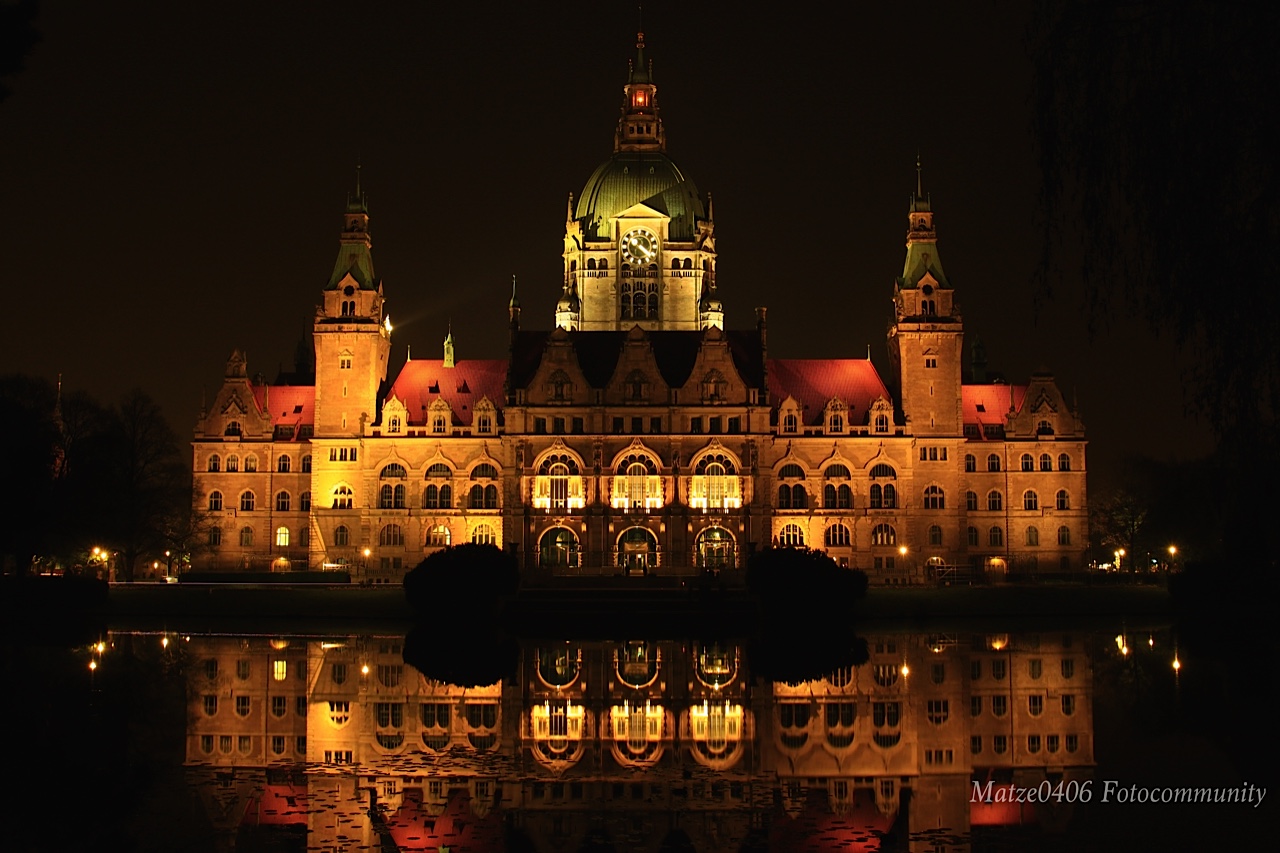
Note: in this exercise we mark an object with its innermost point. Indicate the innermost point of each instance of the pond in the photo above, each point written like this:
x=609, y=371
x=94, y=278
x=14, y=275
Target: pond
x=1121, y=736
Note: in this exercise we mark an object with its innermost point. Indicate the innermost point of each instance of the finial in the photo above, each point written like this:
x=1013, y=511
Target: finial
x=357, y=177
x=711, y=207
x=919, y=177
x=568, y=213
x=868, y=352
x=515, y=303
x=408, y=352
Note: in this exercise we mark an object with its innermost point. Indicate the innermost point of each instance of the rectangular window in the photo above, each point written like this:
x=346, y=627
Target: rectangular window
x=735, y=425
x=242, y=670
x=695, y=425
x=617, y=426
x=242, y=706
x=999, y=705
x=637, y=426
x=279, y=669
x=975, y=744
x=540, y=426
x=279, y=706
x=655, y=425
x=578, y=426
x=1035, y=667
x=557, y=426
x=975, y=706
x=714, y=429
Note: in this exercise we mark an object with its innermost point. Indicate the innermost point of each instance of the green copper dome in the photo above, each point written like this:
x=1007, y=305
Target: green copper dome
x=631, y=177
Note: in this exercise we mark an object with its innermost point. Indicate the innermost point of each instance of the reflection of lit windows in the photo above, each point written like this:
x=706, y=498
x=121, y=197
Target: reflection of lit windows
x=975, y=706
x=242, y=670
x=999, y=705
x=224, y=743
x=1000, y=744
x=1068, y=704
x=939, y=710
x=206, y=744
x=1033, y=744
x=210, y=705
x=277, y=744
x=279, y=706
x=717, y=726
x=339, y=713
x=885, y=674
x=1051, y=743
x=1073, y=743
x=1035, y=705
x=975, y=744
x=279, y=668
x=1068, y=667
x=1035, y=667
x=242, y=706
x=389, y=675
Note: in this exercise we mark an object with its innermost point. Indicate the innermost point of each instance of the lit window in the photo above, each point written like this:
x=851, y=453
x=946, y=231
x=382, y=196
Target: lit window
x=484, y=535
x=884, y=534
x=233, y=463
x=250, y=464
x=791, y=536
x=837, y=535
x=279, y=669
x=282, y=537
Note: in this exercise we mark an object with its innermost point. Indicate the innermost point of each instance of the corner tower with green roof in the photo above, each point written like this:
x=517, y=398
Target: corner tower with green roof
x=639, y=245
x=926, y=341
x=352, y=333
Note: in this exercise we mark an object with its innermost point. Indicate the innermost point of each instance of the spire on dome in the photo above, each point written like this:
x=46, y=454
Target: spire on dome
x=922, y=239
x=448, y=347
x=640, y=126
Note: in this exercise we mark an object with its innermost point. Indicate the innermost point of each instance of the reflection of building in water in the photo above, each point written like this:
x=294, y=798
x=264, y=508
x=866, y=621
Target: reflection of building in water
x=640, y=436
x=639, y=743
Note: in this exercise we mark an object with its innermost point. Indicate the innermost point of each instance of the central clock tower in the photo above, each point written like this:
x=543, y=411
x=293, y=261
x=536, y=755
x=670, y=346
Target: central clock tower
x=639, y=245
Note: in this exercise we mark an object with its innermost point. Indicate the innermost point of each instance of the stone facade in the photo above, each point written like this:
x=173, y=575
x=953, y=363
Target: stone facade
x=639, y=436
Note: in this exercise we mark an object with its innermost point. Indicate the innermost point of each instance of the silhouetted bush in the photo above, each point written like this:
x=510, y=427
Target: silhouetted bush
x=465, y=581
x=801, y=574
x=478, y=658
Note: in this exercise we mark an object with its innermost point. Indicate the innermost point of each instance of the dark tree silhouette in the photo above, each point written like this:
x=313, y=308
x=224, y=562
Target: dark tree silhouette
x=1156, y=137
x=18, y=36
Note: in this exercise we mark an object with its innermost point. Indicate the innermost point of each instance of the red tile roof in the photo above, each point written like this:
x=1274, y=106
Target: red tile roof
x=278, y=805
x=815, y=381
x=988, y=404
x=422, y=381
x=288, y=405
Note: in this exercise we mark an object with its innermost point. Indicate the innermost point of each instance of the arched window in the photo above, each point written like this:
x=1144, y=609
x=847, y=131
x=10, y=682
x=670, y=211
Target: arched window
x=791, y=470
x=715, y=549
x=438, y=424
x=304, y=502
x=799, y=497
x=246, y=502
x=1044, y=428
x=431, y=496
x=637, y=549
x=935, y=534
x=306, y=464
x=993, y=462
x=970, y=463
x=250, y=464
x=490, y=497
x=391, y=497
x=1062, y=500
x=971, y=501
x=835, y=423
x=475, y=500
x=484, y=470
x=789, y=423
x=215, y=501
x=341, y=536
x=394, y=471
x=283, y=464
x=233, y=428
x=214, y=463
x=439, y=470
x=995, y=537
x=391, y=535
x=1046, y=462
x=882, y=423
x=1030, y=500
x=558, y=549
x=837, y=536
x=995, y=501
x=836, y=470
x=1028, y=464
x=282, y=501
x=791, y=536
x=715, y=484
x=784, y=497
x=973, y=537
x=215, y=537
x=884, y=534
x=934, y=498
x=233, y=463
x=343, y=497
x=484, y=423
x=1033, y=536
x=282, y=537
x=1064, y=535
x=1064, y=462
x=837, y=497
x=246, y=537
x=438, y=536
x=881, y=471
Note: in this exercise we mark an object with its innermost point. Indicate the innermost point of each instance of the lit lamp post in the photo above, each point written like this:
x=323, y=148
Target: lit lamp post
x=1118, y=554
x=902, y=555
x=1173, y=552
x=367, y=552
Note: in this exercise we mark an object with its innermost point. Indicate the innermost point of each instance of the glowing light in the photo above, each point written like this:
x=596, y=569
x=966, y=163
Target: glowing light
x=1151, y=642
x=164, y=642
x=1173, y=550
x=906, y=670
x=93, y=664
x=902, y=549
x=1177, y=664
x=101, y=647
x=364, y=670
x=386, y=322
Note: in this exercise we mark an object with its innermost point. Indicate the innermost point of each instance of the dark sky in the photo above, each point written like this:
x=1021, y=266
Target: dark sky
x=176, y=173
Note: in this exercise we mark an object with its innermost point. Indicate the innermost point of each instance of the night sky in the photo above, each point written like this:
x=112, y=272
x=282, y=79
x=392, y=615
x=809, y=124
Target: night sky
x=176, y=175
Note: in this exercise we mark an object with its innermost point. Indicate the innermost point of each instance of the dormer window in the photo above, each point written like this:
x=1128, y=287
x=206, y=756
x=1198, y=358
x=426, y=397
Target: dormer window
x=393, y=425
x=790, y=423
x=438, y=425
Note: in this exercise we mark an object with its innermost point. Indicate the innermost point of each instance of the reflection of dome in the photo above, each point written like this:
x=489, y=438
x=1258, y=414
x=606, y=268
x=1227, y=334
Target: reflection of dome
x=631, y=177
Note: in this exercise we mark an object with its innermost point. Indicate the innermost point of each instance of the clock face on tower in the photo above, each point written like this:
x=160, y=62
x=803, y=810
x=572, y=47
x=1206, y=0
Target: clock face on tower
x=639, y=246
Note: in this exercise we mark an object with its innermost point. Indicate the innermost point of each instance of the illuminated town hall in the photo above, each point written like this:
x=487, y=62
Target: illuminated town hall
x=638, y=435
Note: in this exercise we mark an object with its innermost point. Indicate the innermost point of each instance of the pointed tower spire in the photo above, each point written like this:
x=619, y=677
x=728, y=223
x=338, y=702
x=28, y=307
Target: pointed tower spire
x=355, y=255
x=513, y=308
x=711, y=208
x=640, y=125
x=448, y=346
x=568, y=212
